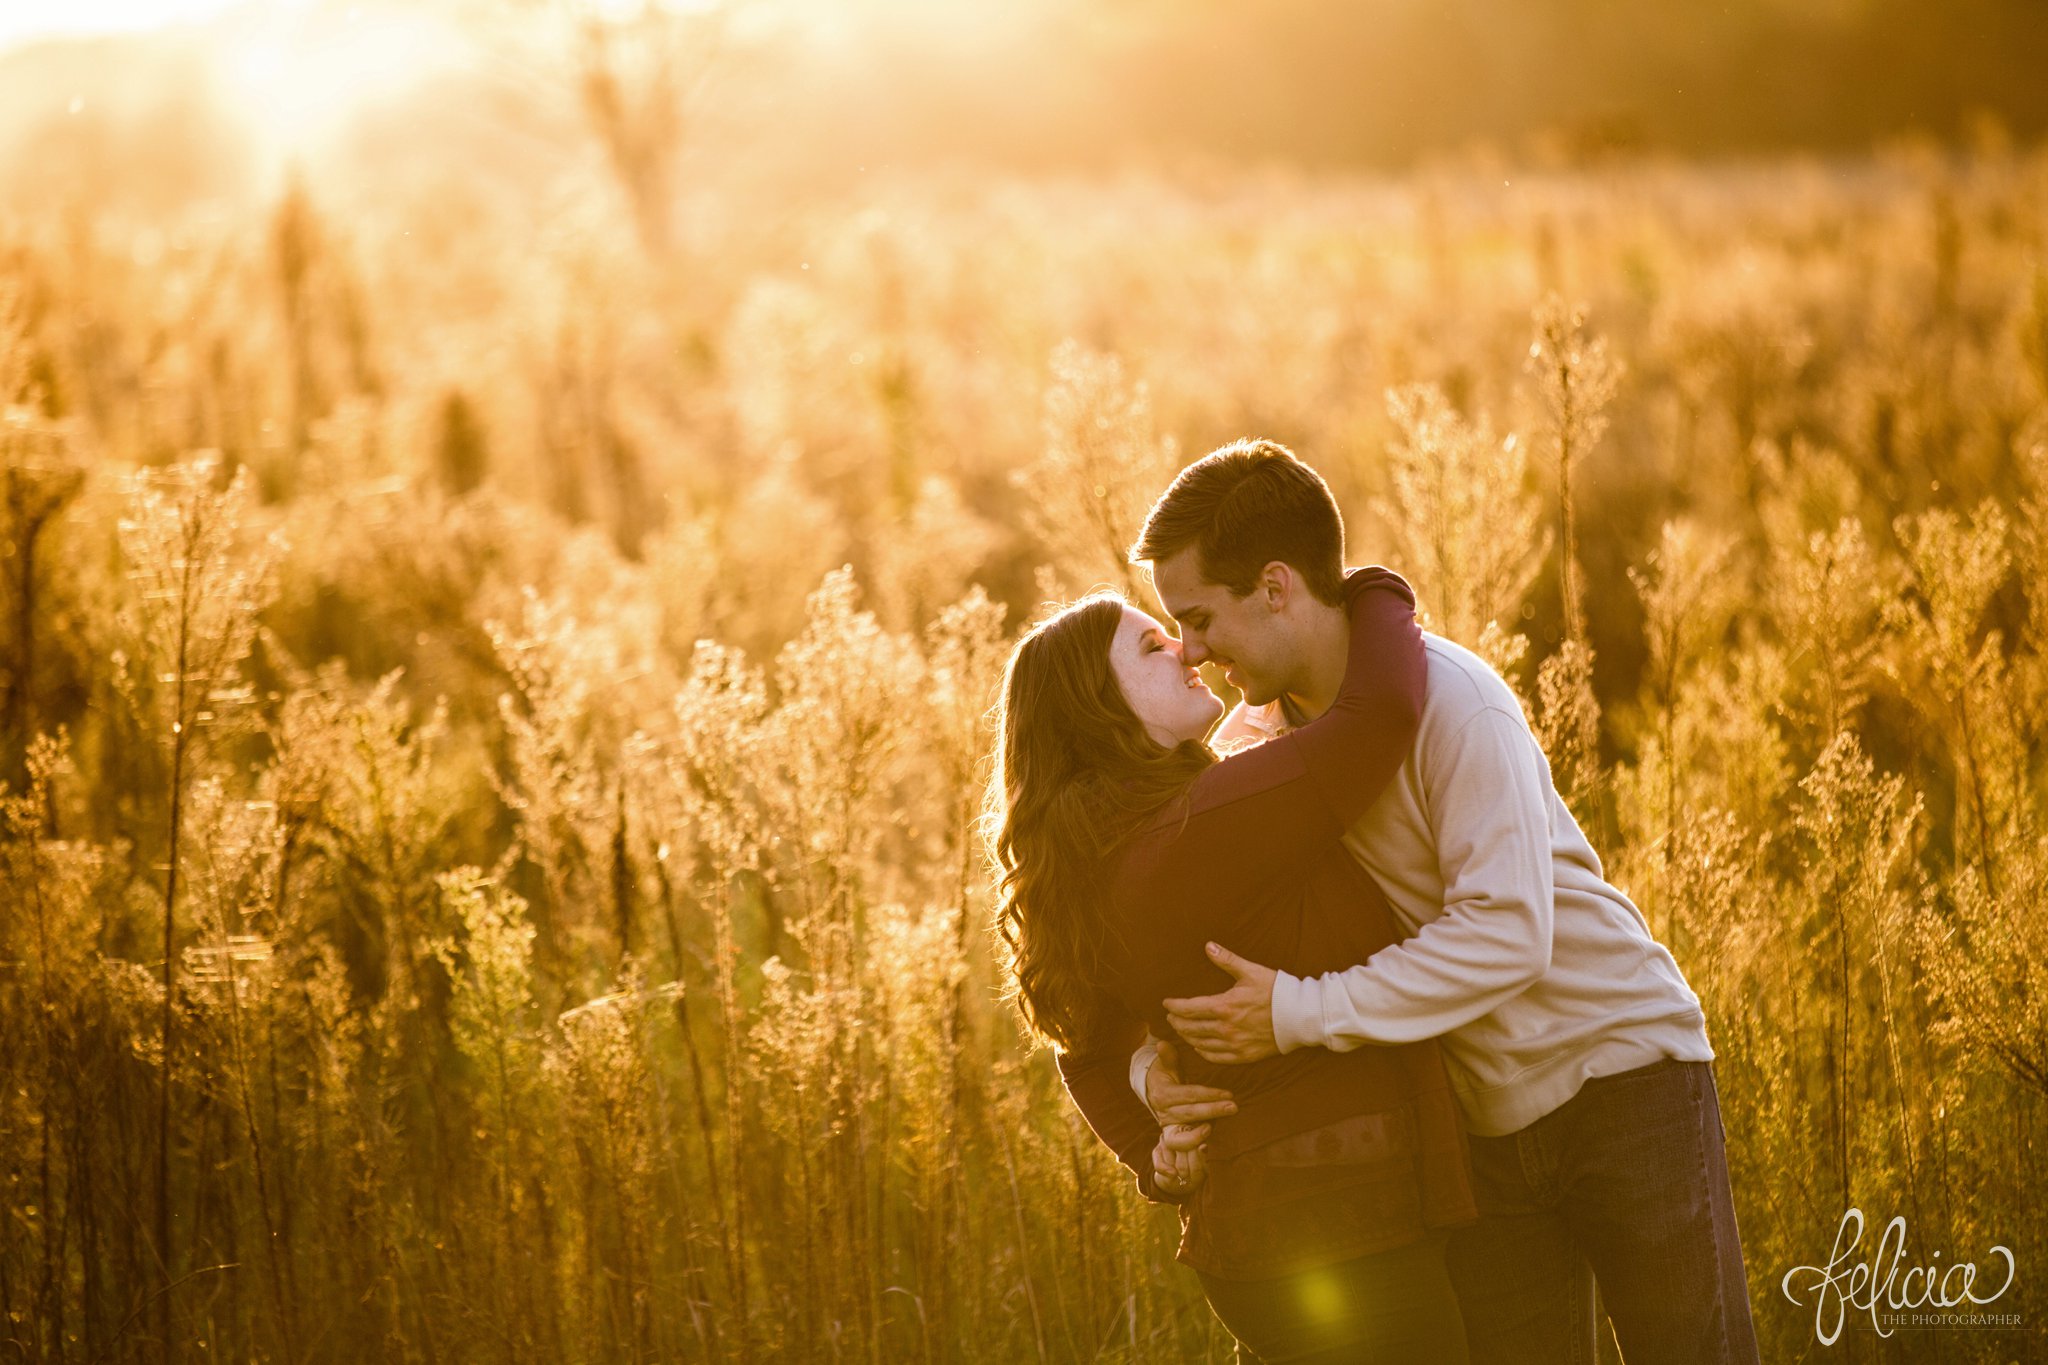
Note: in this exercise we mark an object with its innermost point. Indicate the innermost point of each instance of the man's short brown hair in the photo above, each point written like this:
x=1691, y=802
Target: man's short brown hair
x=1242, y=507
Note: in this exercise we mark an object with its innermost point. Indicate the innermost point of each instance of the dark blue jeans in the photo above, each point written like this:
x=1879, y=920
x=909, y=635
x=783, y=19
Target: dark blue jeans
x=1625, y=1183
x=1391, y=1308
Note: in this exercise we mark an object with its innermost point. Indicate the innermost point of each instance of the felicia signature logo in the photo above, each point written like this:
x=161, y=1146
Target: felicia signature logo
x=1843, y=1283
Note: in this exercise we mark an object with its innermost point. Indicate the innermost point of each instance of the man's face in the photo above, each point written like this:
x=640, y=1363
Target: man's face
x=1241, y=635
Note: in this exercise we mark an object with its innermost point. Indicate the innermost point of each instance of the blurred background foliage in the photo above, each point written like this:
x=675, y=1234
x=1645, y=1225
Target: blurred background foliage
x=815, y=92
x=512, y=515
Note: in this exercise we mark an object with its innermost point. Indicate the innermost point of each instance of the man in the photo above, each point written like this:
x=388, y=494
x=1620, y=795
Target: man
x=1579, y=1053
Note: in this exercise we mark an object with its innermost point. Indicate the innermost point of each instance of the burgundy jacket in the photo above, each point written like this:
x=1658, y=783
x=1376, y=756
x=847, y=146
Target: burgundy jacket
x=1330, y=1154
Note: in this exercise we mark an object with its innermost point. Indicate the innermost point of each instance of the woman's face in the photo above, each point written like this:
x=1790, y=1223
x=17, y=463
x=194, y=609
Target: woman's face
x=1169, y=696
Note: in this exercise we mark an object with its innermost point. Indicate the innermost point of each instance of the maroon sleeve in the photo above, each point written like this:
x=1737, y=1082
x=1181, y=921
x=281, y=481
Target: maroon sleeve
x=1099, y=1080
x=1261, y=810
x=1257, y=815
x=1354, y=749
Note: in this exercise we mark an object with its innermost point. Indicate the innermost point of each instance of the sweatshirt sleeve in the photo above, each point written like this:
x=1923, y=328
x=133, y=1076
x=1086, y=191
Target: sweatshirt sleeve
x=1141, y=1068
x=1489, y=790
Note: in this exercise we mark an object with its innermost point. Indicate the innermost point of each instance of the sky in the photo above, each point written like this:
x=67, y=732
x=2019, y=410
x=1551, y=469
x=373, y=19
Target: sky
x=296, y=69
x=1049, y=83
x=21, y=20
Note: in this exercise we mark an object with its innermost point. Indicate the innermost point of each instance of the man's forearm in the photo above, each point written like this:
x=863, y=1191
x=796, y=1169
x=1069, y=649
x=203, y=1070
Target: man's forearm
x=1493, y=938
x=1401, y=995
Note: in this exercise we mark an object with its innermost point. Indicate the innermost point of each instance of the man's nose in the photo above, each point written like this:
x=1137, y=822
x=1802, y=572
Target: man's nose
x=1193, y=651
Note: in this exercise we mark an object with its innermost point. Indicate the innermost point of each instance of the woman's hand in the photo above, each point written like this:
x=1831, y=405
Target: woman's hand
x=1172, y=1102
x=1177, y=1166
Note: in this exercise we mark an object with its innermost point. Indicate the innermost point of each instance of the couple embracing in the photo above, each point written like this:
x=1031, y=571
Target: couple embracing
x=1343, y=979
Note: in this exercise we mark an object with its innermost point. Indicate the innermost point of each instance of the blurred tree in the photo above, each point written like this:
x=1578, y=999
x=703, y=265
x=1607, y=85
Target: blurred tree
x=295, y=248
x=640, y=77
x=38, y=476
x=462, y=454
x=637, y=74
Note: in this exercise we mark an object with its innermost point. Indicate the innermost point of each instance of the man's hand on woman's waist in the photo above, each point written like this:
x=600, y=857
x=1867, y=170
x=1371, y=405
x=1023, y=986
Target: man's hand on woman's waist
x=1235, y=1026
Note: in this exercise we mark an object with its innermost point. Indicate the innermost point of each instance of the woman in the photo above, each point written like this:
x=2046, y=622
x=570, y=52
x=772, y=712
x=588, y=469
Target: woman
x=1316, y=1214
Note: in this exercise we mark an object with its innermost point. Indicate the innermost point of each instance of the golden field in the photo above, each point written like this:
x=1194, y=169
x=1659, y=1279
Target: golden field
x=525, y=669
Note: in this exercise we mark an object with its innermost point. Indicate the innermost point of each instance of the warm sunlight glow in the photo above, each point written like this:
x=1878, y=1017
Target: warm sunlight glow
x=532, y=827
x=298, y=75
x=295, y=70
x=23, y=22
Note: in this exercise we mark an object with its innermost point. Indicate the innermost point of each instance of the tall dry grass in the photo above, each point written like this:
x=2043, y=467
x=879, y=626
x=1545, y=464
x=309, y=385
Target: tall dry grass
x=489, y=868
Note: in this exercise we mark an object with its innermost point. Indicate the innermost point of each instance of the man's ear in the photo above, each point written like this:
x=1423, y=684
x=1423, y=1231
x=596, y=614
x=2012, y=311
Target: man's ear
x=1278, y=584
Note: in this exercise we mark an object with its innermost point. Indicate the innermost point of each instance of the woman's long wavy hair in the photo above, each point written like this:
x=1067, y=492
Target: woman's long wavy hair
x=1076, y=776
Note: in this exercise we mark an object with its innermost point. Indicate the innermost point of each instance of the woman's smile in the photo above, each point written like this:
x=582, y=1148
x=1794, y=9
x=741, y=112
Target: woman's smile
x=1151, y=669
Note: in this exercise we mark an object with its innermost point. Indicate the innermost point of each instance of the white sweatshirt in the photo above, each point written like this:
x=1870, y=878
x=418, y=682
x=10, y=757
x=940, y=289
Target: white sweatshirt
x=1535, y=973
